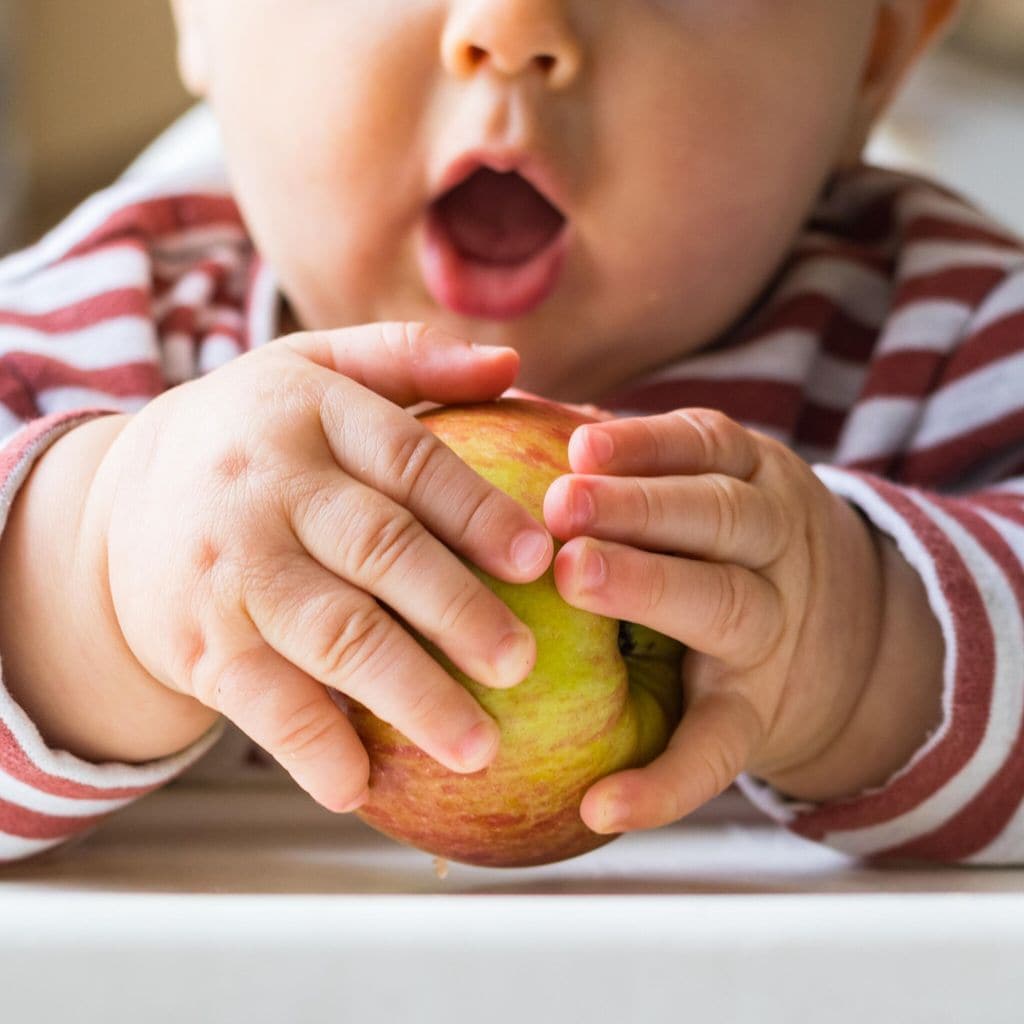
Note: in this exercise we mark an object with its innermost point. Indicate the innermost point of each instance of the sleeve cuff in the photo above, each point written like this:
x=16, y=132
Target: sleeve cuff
x=954, y=800
x=50, y=796
x=20, y=451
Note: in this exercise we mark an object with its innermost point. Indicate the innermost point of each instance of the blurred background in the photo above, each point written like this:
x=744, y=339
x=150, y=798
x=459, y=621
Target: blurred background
x=85, y=85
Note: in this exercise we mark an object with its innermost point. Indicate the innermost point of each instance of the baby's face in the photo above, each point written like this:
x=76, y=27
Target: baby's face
x=682, y=142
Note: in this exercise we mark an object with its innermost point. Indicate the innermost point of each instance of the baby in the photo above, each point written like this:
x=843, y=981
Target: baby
x=213, y=492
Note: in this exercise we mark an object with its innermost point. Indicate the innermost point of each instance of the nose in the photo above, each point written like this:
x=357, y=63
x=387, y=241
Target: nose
x=512, y=36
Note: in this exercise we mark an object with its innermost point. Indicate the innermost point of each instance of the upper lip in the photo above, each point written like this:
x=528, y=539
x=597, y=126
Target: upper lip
x=530, y=166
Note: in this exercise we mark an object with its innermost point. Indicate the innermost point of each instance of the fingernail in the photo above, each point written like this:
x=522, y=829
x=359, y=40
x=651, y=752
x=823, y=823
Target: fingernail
x=593, y=569
x=602, y=448
x=512, y=658
x=355, y=804
x=581, y=506
x=489, y=350
x=614, y=814
x=529, y=549
x=476, y=749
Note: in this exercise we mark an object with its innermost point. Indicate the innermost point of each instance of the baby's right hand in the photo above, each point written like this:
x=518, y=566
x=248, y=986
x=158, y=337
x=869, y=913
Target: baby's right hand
x=256, y=519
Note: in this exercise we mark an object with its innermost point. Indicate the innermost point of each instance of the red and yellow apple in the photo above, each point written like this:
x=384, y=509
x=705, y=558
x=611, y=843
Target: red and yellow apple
x=603, y=695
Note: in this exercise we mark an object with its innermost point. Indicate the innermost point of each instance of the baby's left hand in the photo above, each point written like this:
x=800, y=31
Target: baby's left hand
x=724, y=539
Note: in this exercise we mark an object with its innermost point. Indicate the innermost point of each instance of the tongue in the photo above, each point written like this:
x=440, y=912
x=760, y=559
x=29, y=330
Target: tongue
x=498, y=218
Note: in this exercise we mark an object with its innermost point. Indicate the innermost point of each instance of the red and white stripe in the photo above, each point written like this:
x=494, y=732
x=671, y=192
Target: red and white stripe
x=968, y=572
x=47, y=797
x=890, y=353
x=938, y=403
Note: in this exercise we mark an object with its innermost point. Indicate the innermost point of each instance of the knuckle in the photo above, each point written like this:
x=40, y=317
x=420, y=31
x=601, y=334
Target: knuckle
x=411, y=461
x=381, y=543
x=304, y=732
x=717, y=770
x=727, y=513
x=777, y=526
x=481, y=512
x=649, y=506
x=356, y=644
x=426, y=710
x=657, y=442
x=285, y=390
x=777, y=466
x=458, y=607
x=230, y=686
x=404, y=340
x=655, y=584
x=708, y=426
x=260, y=582
x=310, y=503
x=731, y=606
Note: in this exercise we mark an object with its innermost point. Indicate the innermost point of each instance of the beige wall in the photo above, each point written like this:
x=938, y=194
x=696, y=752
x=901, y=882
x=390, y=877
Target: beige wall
x=996, y=27
x=95, y=82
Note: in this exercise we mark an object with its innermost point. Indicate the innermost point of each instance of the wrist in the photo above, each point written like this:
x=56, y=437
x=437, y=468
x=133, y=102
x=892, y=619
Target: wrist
x=900, y=700
x=65, y=661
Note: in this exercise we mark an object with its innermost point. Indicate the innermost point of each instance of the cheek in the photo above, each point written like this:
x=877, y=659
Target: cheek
x=321, y=139
x=709, y=168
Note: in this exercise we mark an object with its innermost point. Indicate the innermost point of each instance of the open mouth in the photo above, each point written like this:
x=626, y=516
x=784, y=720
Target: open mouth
x=493, y=246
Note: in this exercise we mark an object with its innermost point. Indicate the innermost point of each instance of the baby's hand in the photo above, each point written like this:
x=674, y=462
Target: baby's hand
x=261, y=523
x=726, y=540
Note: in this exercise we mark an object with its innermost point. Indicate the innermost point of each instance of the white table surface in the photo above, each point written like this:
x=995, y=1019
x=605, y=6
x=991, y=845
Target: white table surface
x=249, y=903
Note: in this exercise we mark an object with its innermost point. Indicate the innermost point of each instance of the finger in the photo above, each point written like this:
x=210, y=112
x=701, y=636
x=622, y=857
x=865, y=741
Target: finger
x=365, y=538
x=687, y=441
x=708, y=516
x=344, y=639
x=293, y=718
x=709, y=749
x=410, y=362
x=394, y=453
x=725, y=611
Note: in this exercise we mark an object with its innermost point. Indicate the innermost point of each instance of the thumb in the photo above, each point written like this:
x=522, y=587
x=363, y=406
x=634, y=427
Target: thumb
x=710, y=747
x=410, y=362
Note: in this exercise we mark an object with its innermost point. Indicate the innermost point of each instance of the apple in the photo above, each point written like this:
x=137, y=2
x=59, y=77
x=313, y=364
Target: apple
x=603, y=696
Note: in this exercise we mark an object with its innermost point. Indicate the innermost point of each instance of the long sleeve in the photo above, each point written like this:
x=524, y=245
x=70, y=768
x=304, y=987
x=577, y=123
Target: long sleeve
x=960, y=797
x=130, y=295
x=954, y=503
x=49, y=796
x=890, y=355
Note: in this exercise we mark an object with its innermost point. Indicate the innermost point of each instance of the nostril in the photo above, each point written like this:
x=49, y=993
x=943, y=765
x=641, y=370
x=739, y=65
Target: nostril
x=558, y=62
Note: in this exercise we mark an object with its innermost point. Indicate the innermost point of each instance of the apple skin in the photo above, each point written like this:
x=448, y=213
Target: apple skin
x=584, y=711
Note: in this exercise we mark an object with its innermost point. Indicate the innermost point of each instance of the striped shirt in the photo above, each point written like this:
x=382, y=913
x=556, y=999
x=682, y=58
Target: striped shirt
x=888, y=352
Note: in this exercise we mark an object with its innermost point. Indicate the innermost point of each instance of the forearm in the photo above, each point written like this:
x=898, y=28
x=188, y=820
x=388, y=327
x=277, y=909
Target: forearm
x=901, y=700
x=63, y=658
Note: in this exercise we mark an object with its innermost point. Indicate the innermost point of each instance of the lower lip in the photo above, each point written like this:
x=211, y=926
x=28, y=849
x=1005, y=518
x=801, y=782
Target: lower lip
x=488, y=291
